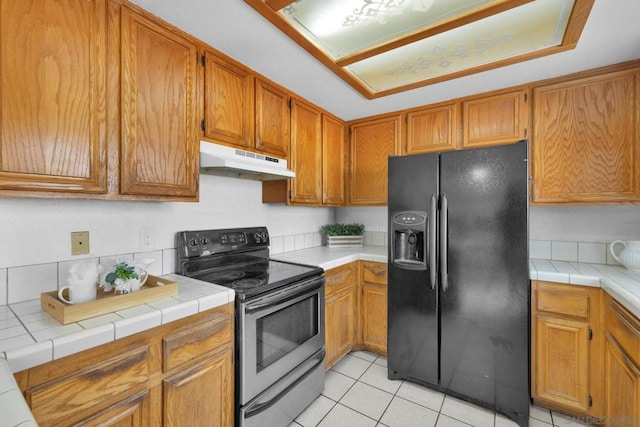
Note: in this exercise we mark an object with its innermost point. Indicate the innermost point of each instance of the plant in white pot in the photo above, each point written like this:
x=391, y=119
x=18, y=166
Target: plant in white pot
x=125, y=278
x=343, y=235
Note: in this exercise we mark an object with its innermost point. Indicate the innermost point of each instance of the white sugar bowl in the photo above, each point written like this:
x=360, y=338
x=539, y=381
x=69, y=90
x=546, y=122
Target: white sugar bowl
x=630, y=255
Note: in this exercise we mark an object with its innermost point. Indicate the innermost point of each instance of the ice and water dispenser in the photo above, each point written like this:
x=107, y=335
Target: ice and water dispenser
x=409, y=245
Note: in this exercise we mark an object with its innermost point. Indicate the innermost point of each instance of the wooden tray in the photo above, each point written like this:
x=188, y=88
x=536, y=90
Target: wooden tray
x=107, y=302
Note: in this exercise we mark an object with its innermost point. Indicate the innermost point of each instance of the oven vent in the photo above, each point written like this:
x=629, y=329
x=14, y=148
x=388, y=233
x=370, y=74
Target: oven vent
x=222, y=160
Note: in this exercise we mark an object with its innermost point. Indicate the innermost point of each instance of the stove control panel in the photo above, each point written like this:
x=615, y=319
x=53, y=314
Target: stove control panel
x=201, y=243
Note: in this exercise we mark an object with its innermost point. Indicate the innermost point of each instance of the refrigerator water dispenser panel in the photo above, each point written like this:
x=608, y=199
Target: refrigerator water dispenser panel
x=409, y=246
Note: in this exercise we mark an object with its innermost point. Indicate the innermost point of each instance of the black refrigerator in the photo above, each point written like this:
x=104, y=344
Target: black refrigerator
x=458, y=315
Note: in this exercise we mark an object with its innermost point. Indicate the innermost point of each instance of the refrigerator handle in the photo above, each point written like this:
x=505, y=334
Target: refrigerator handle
x=432, y=241
x=444, y=244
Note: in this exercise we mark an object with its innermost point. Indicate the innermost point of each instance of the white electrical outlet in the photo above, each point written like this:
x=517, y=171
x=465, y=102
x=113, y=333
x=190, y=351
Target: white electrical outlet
x=146, y=238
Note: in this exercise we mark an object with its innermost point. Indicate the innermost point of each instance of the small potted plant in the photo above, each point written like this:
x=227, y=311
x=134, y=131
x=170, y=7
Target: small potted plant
x=125, y=278
x=343, y=235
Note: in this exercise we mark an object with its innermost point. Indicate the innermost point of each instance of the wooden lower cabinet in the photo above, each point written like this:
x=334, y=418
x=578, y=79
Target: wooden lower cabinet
x=210, y=381
x=340, y=311
x=622, y=366
x=176, y=374
x=355, y=309
x=374, y=307
x=131, y=412
x=566, y=343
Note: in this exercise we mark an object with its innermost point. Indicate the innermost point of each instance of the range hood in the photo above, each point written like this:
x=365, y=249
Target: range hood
x=227, y=161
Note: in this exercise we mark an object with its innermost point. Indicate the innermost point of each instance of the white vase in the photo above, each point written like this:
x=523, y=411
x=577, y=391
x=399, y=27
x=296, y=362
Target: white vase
x=630, y=255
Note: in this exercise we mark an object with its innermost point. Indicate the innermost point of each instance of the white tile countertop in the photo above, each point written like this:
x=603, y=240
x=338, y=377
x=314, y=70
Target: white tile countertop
x=30, y=336
x=328, y=258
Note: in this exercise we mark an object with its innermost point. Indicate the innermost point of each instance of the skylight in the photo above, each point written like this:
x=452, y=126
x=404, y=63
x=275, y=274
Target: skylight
x=387, y=46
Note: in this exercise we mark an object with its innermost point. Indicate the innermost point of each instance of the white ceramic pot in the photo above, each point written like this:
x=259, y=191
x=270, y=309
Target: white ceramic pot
x=630, y=255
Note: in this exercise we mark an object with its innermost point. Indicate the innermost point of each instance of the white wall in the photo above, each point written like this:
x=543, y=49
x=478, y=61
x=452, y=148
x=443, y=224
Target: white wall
x=35, y=231
x=561, y=223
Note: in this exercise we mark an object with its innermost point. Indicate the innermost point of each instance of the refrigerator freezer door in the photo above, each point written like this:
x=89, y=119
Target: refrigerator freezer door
x=412, y=302
x=485, y=306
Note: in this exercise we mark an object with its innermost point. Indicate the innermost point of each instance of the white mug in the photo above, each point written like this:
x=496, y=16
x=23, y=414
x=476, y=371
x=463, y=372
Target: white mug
x=79, y=291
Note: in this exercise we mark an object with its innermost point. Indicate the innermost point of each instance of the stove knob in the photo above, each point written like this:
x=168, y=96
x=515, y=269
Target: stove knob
x=204, y=241
x=193, y=243
x=258, y=237
x=265, y=236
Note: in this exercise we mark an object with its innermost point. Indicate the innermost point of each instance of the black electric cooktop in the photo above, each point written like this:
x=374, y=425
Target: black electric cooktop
x=258, y=277
x=238, y=259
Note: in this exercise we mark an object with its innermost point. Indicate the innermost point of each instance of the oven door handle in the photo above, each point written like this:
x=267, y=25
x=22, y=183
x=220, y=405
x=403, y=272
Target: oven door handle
x=285, y=296
x=262, y=405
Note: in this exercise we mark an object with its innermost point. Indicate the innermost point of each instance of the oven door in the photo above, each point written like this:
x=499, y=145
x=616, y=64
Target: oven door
x=277, y=332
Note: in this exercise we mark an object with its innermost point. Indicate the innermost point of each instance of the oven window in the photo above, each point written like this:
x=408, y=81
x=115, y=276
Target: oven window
x=283, y=331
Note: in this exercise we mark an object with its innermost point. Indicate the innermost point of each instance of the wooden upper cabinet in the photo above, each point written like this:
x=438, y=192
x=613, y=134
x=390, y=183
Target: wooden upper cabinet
x=159, y=147
x=585, y=141
x=228, y=102
x=333, y=161
x=433, y=129
x=372, y=142
x=52, y=95
x=306, y=153
x=273, y=124
x=494, y=119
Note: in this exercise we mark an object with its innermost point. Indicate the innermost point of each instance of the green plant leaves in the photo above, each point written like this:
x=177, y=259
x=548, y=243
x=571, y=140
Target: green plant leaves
x=122, y=271
x=343, y=229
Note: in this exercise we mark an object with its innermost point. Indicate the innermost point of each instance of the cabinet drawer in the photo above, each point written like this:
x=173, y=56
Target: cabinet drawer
x=374, y=272
x=97, y=386
x=561, y=302
x=625, y=328
x=339, y=278
x=189, y=344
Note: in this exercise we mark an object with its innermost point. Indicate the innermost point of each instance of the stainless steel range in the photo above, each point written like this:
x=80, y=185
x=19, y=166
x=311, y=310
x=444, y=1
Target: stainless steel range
x=279, y=320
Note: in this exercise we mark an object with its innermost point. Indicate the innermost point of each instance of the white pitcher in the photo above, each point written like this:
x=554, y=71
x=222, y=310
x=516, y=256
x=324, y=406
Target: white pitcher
x=630, y=255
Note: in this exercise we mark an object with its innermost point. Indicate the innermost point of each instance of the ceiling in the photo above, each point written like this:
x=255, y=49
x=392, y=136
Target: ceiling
x=611, y=35
x=381, y=47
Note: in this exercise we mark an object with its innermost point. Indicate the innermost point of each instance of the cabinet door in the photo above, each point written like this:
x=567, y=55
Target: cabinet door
x=333, y=161
x=131, y=412
x=306, y=154
x=494, y=120
x=374, y=317
x=199, y=395
x=228, y=102
x=159, y=147
x=622, y=387
x=273, y=124
x=433, y=129
x=52, y=95
x=372, y=142
x=585, y=142
x=340, y=325
x=340, y=312
x=561, y=354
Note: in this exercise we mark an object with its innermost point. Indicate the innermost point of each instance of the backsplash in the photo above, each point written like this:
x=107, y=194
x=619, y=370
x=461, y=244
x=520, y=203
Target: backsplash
x=25, y=283
x=595, y=253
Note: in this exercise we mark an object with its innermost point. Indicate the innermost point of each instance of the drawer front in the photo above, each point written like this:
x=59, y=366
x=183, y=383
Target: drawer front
x=625, y=329
x=340, y=278
x=565, y=303
x=191, y=343
x=374, y=272
x=99, y=386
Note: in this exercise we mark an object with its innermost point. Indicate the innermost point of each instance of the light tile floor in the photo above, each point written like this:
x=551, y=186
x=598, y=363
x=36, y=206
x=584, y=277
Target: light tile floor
x=358, y=393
